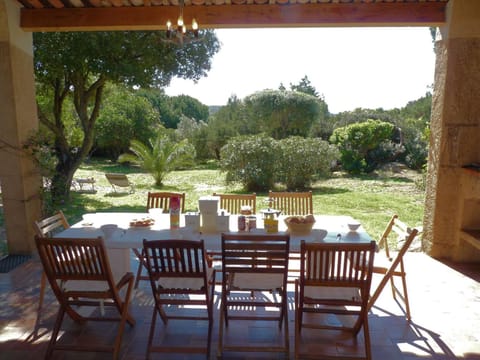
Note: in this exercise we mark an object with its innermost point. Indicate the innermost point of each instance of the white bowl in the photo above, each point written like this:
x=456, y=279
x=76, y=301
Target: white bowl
x=108, y=230
x=353, y=226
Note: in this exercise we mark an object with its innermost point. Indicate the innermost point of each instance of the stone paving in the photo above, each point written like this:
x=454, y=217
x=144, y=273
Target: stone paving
x=445, y=307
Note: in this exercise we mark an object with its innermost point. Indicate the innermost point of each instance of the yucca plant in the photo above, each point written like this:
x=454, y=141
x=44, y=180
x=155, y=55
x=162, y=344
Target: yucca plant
x=161, y=156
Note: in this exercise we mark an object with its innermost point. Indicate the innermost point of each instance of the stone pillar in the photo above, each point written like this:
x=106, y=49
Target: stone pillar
x=455, y=128
x=20, y=180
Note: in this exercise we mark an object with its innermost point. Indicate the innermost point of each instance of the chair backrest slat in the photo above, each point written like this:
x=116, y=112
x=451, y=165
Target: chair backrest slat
x=161, y=200
x=347, y=265
x=175, y=258
x=234, y=202
x=51, y=225
x=74, y=259
x=292, y=203
x=252, y=253
x=405, y=235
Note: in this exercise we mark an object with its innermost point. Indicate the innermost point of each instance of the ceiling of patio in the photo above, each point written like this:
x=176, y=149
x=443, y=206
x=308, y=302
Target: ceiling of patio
x=85, y=15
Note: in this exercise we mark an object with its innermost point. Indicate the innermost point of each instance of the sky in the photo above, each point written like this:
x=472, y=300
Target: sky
x=351, y=67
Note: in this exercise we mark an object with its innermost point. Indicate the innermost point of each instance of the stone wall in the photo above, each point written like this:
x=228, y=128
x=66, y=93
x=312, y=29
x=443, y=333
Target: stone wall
x=455, y=131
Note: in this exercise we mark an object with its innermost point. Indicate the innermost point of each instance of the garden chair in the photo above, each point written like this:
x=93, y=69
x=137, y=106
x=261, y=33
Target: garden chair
x=234, y=202
x=291, y=203
x=390, y=267
x=79, y=183
x=335, y=282
x=47, y=228
x=156, y=200
x=119, y=180
x=161, y=200
x=79, y=273
x=253, y=264
x=179, y=277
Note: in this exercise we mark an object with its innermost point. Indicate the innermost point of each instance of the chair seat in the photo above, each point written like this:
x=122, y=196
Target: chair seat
x=331, y=292
x=184, y=282
x=381, y=264
x=256, y=281
x=84, y=285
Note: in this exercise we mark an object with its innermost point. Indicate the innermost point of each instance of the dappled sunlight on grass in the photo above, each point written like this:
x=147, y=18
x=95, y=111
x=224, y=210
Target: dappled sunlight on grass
x=369, y=198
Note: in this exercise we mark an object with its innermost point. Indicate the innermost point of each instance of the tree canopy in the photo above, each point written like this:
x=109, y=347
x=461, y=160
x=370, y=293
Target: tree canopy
x=282, y=113
x=76, y=66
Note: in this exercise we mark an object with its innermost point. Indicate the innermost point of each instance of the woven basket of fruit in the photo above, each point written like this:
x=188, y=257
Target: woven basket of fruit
x=300, y=225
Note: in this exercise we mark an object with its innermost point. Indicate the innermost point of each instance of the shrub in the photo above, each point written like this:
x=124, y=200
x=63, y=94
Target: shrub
x=301, y=159
x=258, y=161
x=363, y=145
x=250, y=160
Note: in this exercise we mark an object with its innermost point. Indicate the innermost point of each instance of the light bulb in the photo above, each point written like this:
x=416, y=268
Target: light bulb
x=169, y=24
x=184, y=29
x=180, y=21
x=194, y=24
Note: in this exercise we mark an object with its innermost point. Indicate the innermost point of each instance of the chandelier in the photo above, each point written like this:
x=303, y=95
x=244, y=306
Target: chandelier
x=180, y=33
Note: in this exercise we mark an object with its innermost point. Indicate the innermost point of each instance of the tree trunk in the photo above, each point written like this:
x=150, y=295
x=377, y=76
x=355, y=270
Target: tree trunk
x=70, y=159
x=61, y=183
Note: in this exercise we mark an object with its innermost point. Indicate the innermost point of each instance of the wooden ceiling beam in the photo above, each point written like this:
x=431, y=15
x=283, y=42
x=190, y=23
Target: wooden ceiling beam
x=236, y=16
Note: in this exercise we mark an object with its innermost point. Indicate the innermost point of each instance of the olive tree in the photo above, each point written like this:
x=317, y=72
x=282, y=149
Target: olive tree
x=77, y=66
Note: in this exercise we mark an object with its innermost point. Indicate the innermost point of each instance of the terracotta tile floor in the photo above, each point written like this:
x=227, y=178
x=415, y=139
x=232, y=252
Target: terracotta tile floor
x=445, y=306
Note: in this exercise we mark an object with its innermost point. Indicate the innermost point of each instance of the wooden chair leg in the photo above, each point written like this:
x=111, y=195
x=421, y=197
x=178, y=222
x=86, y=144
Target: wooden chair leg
x=210, y=328
x=405, y=292
x=285, y=327
x=43, y=284
x=56, y=330
x=220, y=330
x=140, y=257
x=124, y=319
x=152, y=332
x=378, y=291
x=297, y=322
x=366, y=336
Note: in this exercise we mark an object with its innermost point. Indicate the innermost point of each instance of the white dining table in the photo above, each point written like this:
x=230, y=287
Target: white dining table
x=327, y=229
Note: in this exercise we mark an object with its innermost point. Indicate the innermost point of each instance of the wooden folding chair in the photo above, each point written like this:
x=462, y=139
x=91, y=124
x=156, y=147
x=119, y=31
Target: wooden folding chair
x=79, y=273
x=179, y=277
x=156, y=200
x=389, y=266
x=161, y=200
x=253, y=264
x=47, y=228
x=334, y=280
x=119, y=180
x=234, y=202
x=291, y=203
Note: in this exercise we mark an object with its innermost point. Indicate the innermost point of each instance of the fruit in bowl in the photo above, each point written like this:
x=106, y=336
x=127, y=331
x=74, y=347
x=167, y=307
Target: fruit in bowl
x=143, y=222
x=300, y=225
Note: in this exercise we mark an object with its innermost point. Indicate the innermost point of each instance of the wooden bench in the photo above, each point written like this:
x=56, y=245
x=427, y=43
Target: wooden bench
x=120, y=180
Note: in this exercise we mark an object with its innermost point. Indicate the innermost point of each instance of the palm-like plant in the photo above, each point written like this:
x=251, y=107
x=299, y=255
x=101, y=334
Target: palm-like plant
x=161, y=157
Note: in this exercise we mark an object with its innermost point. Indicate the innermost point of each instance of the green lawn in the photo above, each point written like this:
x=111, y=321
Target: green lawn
x=371, y=199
